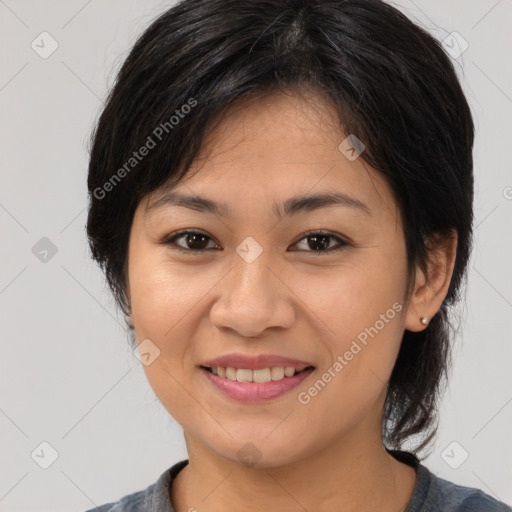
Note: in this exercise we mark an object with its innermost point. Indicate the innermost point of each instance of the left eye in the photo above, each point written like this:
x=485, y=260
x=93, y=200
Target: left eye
x=320, y=242
x=197, y=242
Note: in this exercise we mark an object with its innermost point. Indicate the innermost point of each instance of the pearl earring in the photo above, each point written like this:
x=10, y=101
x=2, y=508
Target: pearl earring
x=424, y=320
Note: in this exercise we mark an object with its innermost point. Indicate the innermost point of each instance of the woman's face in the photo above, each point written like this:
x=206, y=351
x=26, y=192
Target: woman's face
x=267, y=283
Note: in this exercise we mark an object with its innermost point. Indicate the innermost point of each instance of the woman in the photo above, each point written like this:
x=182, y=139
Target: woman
x=281, y=199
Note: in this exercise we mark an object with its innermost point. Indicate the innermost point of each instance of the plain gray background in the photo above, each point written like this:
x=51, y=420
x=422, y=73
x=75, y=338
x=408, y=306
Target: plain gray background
x=67, y=375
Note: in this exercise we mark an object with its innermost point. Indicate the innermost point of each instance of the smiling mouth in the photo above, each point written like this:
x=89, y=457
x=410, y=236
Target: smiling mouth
x=259, y=376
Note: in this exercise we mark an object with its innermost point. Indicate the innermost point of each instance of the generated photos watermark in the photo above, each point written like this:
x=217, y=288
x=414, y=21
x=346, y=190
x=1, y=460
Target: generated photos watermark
x=151, y=142
x=304, y=397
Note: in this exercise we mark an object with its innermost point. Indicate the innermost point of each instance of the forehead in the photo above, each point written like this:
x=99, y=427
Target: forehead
x=278, y=128
x=280, y=146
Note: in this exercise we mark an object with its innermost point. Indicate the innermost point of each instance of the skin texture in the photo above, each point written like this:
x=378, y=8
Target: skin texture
x=291, y=301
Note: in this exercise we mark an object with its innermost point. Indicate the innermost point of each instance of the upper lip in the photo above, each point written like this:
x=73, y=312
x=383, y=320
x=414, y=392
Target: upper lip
x=254, y=362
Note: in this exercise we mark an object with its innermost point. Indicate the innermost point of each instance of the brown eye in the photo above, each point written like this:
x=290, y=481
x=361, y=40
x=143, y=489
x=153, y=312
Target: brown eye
x=320, y=242
x=192, y=241
x=197, y=242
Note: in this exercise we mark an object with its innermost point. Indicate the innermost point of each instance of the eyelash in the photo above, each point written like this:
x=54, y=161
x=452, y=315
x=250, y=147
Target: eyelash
x=170, y=241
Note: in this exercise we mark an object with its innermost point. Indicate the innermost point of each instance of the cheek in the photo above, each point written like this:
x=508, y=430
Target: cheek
x=362, y=320
x=352, y=297
x=345, y=299
x=163, y=302
x=162, y=295
x=360, y=310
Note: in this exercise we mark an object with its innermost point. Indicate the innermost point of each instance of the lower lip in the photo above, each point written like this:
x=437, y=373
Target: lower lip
x=251, y=392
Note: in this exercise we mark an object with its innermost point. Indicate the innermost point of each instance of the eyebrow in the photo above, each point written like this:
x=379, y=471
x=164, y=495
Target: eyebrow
x=292, y=206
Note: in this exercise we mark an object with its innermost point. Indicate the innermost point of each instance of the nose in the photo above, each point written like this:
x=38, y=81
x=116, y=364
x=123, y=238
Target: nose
x=252, y=298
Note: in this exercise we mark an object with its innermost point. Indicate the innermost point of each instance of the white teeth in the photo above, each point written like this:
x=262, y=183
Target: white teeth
x=230, y=373
x=277, y=373
x=244, y=375
x=261, y=375
x=289, y=371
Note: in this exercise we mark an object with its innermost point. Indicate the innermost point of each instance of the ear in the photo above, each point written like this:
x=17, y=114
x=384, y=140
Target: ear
x=430, y=288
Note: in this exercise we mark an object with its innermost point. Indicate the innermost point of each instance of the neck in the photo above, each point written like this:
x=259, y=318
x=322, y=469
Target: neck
x=350, y=475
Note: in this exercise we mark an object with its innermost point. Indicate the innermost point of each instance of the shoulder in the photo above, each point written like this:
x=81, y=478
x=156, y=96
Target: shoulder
x=450, y=497
x=156, y=497
x=479, y=502
x=135, y=502
x=435, y=494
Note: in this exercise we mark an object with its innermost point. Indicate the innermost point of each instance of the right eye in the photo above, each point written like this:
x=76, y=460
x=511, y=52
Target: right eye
x=190, y=239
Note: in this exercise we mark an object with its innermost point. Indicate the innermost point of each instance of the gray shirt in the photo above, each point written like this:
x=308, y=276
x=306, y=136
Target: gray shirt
x=431, y=494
